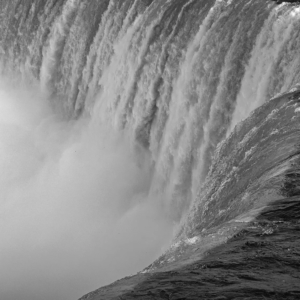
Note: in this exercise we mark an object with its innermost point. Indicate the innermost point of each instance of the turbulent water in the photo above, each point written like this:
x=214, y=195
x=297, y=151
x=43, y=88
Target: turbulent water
x=118, y=132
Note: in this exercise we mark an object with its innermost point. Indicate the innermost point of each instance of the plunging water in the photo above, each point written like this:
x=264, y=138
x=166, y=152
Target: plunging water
x=110, y=115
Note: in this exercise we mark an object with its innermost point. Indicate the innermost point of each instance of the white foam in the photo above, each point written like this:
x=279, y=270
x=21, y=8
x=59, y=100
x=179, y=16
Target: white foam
x=295, y=12
x=297, y=110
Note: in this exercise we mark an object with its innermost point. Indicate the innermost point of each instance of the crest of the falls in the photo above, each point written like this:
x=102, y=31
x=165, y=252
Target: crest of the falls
x=171, y=78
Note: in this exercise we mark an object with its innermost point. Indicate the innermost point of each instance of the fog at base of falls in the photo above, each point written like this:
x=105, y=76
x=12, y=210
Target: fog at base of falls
x=74, y=210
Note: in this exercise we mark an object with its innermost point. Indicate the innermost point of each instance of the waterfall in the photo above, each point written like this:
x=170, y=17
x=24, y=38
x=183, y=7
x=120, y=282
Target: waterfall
x=131, y=98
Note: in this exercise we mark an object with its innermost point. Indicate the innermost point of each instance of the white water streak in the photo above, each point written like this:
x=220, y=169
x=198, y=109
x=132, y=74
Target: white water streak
x=267, y=51
x=59, y=32
x=179, y=131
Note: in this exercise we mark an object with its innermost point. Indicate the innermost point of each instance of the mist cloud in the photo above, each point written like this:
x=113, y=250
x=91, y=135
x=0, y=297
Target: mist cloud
x=74, y=210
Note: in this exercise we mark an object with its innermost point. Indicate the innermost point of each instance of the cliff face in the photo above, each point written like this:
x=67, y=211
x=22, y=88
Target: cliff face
x=242, y=240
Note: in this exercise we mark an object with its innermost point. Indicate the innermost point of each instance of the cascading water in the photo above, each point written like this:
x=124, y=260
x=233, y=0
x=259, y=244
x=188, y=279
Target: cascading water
x=141, y=92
